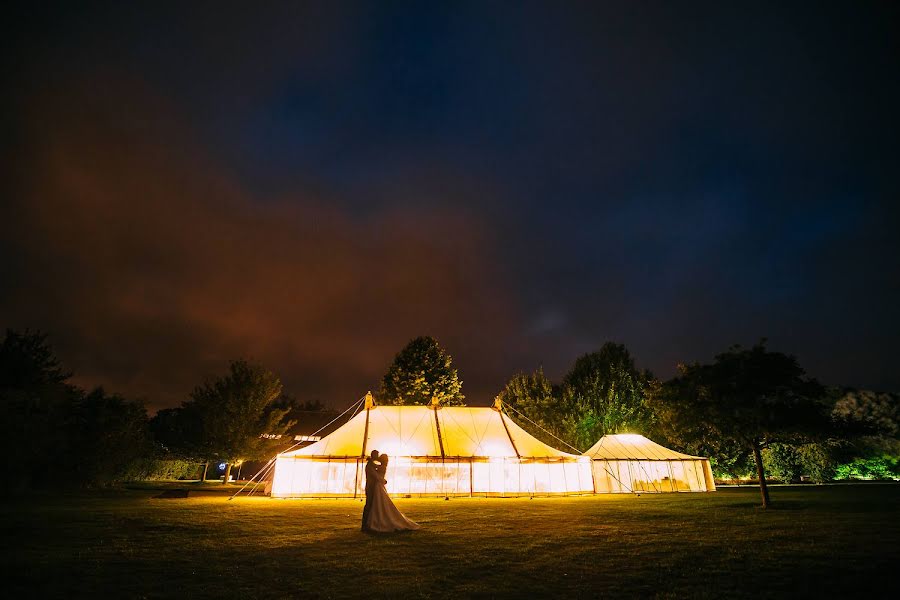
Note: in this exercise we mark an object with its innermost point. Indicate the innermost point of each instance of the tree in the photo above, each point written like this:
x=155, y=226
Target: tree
x=783, y=462
x=36, y=404
x=178, y=432
x=168, y=429
x=816, y=460
x=108, y=435
x=749, y=397
x=230, y=414
x=605, y=393
x=27, y=362
x=537, y=399
x=420, y=372
x=58, y=432
x=870, y=424
x=868, y=412
x=298, y=410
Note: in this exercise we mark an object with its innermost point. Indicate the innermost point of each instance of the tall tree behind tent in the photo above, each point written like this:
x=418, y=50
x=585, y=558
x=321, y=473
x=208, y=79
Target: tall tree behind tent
x=420, y=372
x=232, y=413
x=605, y=393
x=540, y=405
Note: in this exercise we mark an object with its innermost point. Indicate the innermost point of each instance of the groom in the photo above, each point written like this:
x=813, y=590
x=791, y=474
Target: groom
x=372, y=480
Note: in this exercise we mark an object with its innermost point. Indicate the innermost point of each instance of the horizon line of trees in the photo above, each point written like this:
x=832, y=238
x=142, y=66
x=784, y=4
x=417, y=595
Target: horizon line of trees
x=62, y=435
x=755, y=413
x=751, y=410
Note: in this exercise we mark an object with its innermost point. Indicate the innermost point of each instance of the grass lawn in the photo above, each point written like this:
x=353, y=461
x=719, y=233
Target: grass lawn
x=817, y=541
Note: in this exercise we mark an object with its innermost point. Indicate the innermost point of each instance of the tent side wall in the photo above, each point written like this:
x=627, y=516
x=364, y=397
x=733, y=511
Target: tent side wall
x=299, y=476
x=651, y=476
x=302, y=476
x=708, y=475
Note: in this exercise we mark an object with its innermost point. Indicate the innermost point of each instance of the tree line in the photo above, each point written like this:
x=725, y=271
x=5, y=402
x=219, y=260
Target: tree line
x=60, y=435
x=752, y=411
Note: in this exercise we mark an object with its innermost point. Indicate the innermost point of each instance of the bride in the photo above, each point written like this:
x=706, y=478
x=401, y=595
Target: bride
x=384, y=517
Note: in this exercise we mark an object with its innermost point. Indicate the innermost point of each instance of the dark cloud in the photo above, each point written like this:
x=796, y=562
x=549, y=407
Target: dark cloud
x=314, y=186
x=151, y=268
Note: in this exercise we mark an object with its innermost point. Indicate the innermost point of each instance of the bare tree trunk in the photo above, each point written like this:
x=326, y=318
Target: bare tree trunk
x=227, y=473
x=761, y=473
x=205, y=469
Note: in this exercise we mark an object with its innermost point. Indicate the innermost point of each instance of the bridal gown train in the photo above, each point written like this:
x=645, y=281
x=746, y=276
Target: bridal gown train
x=384, y=517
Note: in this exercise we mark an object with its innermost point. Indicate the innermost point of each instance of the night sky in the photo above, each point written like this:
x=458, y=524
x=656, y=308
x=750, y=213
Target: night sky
x=186, y=184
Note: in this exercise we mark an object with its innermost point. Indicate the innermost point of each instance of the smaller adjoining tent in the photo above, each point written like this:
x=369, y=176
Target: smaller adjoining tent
x=629, y=462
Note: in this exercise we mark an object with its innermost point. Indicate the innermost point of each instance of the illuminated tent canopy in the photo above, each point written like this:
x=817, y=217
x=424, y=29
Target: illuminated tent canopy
x=629, y=462
x=434, y=451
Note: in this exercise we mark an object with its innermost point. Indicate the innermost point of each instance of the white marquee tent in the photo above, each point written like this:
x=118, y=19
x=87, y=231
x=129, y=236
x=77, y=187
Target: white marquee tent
x=434, y=451
x=629, y=462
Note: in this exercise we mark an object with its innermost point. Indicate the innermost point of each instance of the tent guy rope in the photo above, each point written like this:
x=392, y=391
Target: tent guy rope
x=611, y=474
x=270, y=465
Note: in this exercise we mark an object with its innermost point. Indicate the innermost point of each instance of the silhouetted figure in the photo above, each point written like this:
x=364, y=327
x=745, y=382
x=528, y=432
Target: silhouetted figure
x=373, y=480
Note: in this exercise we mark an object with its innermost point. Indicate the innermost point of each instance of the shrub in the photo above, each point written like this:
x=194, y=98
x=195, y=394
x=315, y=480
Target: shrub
x=875, y=467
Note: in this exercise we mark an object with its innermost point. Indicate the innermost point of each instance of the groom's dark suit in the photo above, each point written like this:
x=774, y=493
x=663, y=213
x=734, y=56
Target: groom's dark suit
x=372, y=480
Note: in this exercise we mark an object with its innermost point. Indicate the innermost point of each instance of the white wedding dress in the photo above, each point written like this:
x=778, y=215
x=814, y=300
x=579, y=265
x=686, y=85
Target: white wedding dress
x=384, y=517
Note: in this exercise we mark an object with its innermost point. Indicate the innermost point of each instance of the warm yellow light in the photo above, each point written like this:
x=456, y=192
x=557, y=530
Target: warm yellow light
x=630, y=437
x=494, y=449
x=408, y=475
x=453, y=451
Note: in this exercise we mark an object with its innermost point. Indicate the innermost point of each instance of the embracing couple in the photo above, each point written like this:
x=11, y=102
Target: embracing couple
x=380, y=515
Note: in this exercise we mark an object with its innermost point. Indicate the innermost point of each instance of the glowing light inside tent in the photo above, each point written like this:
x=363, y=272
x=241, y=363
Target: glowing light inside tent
x=456, y=451
x=408, y=475
x=625, y=463
x=400, y=448
x=495, y=449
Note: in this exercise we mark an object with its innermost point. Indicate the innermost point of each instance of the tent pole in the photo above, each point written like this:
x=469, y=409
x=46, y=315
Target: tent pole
x=370, y=403
x=436, y=406
x=511, y=441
